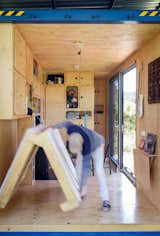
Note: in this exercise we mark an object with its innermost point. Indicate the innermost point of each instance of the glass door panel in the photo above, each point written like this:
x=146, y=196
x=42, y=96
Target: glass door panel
x=129, y=119
x=114, y=119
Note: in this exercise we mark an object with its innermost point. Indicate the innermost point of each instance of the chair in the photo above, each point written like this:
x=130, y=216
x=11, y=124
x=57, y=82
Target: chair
x=107, y=156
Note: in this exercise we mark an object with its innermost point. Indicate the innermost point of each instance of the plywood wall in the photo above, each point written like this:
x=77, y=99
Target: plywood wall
x=22, y=125
x=11, y=133
x=21, y=62
x=8, y=144
x=151, y=119
x=6, y=73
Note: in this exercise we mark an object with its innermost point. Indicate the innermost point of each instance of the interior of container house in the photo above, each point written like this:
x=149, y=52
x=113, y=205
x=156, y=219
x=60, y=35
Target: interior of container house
x=109, y=69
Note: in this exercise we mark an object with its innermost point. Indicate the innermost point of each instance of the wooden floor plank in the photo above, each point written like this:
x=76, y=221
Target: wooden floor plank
x=37, y=206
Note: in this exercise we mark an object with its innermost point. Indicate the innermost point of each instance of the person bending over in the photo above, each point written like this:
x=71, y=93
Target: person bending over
x=87, y=144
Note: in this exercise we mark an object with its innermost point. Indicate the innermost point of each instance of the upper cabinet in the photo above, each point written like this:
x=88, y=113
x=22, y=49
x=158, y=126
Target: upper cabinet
x=84, y=82
x=86, y=79
x=16, y=66
x=79, y=78
x=29, y=66
x=19, y=53
x=72, y=78
x=20, y=94
x=6, y=71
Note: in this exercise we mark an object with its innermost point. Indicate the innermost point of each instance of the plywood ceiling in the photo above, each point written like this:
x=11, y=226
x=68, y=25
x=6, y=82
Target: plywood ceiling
x=105, y=46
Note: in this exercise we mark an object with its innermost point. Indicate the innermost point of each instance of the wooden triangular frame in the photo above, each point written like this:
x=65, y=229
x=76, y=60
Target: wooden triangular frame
x=50, y=140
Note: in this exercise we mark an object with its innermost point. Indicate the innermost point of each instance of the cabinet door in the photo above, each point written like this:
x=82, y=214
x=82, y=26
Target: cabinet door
x=19, y=53
x=86, y=79
x=20, y=94
x=86, y=98
x=100, y=124
x=55, y=105
x=100, y=91
x=36, y=87
x=54, y=114
x=29, y=66
x=72, y=78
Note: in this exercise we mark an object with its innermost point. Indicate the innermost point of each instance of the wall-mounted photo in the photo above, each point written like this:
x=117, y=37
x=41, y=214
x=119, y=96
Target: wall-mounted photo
x=72, y=96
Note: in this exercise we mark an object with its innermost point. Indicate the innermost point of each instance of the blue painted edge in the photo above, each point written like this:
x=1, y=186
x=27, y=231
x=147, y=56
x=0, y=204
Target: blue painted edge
x=82, y=233
x=90, y=16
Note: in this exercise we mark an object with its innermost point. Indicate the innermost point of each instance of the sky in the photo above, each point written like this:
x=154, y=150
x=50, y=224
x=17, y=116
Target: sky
x=129, y=82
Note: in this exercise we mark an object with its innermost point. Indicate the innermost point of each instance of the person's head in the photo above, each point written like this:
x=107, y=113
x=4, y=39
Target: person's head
x=75, y=142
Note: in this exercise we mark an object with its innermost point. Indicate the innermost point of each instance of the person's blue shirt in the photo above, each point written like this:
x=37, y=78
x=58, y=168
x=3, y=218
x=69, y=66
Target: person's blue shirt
x=92, y=140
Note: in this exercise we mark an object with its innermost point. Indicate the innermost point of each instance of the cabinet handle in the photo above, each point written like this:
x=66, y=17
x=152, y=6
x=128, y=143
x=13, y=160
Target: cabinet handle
x=81, y=97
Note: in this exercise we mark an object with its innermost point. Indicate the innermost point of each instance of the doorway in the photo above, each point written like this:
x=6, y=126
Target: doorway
x=129, y=119
x=114, y=120
x=122, y=120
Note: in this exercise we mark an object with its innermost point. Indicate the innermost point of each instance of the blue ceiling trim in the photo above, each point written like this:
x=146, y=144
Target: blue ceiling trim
x=81, y=16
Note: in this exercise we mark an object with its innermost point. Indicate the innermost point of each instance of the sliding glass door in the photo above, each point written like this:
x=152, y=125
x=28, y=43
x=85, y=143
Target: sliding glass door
x=114, y=119
x=122, y=119
x=129, y=119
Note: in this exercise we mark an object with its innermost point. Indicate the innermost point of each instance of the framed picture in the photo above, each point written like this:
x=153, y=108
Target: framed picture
x=154, y=81
x=150, y=143
x=72, y=96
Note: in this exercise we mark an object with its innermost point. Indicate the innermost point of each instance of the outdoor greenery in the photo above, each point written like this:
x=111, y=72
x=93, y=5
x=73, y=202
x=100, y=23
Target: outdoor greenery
x=130, y=120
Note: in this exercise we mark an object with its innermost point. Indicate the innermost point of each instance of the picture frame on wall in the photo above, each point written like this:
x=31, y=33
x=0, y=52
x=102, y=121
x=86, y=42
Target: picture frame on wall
x=150, y=144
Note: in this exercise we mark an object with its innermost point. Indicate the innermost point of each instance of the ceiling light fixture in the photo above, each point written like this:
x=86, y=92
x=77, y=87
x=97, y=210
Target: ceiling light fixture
x=78, y=44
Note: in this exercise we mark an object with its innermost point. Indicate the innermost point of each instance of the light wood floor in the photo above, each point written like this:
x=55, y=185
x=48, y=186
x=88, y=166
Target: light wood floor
x=39, y=205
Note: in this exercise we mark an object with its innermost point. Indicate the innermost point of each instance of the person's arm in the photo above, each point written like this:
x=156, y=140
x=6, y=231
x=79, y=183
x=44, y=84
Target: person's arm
x=61, y=125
